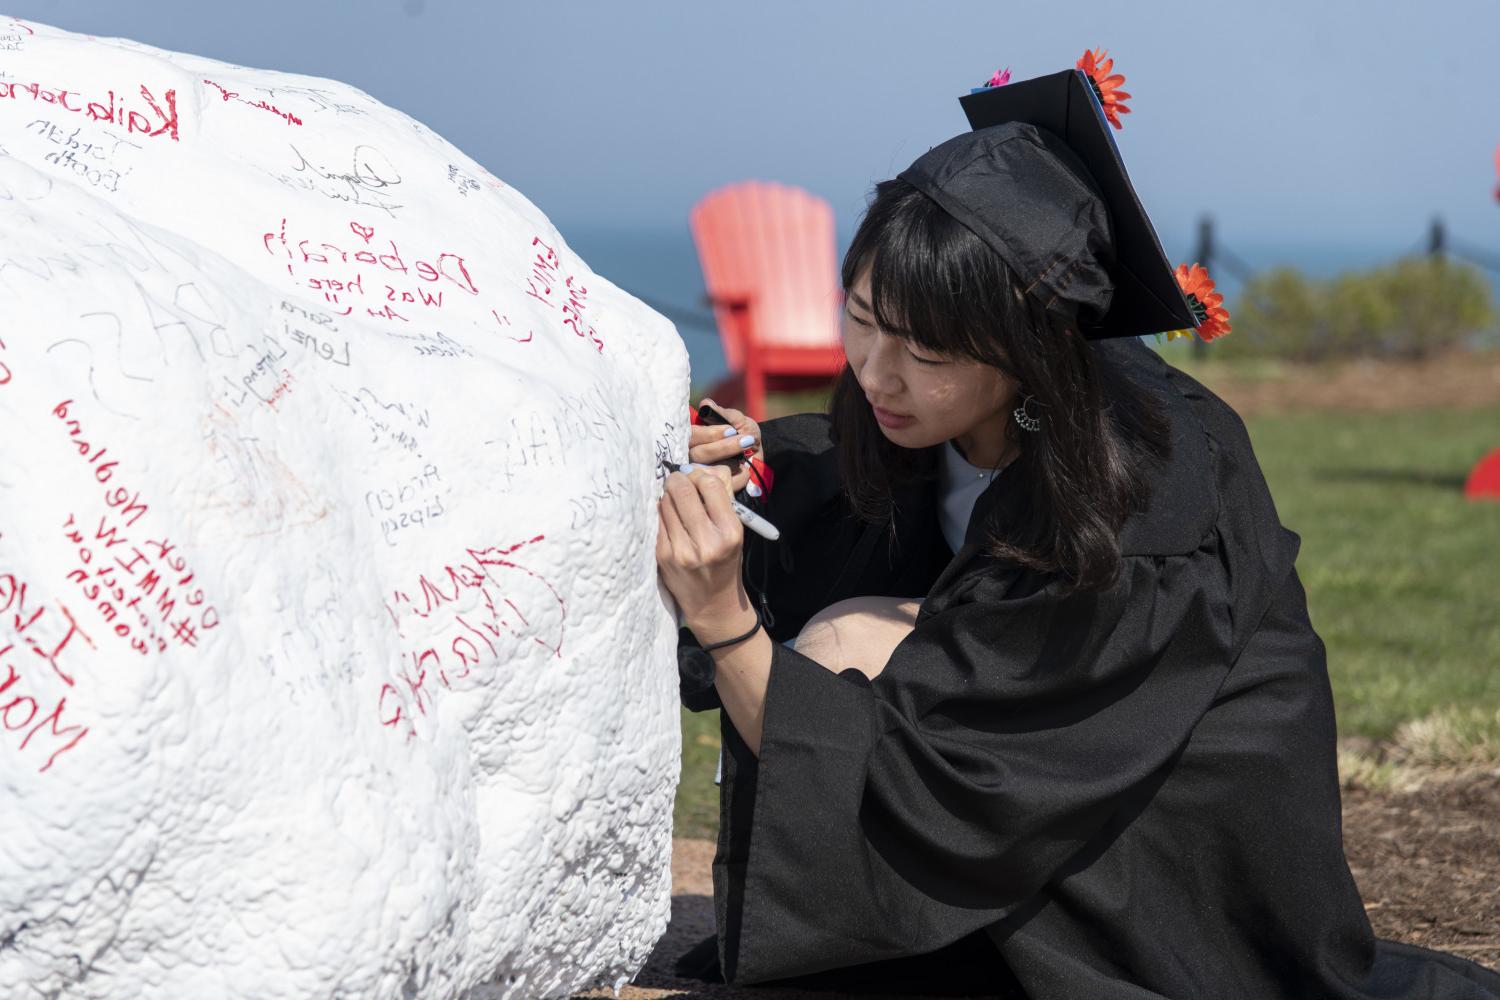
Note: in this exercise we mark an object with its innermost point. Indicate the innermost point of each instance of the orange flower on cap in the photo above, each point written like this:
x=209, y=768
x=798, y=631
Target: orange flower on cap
x=1207, y=304
x=1106, y=84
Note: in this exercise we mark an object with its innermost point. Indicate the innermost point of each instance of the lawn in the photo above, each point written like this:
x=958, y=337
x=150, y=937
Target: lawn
x=1402, y=573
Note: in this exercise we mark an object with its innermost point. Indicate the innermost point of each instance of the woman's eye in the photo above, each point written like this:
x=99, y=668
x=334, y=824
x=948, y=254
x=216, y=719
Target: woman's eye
x=925, y=361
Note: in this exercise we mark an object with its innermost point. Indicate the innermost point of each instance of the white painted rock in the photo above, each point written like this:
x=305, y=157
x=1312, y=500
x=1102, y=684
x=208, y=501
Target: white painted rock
x=333, y=661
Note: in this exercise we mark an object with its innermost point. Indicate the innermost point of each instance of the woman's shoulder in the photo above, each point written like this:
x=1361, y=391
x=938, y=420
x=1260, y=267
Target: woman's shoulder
x=1211, y=481
x=804, y=466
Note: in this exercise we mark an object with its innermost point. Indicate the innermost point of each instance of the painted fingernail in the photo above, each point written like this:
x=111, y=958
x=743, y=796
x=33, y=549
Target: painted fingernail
x=752, y=489
x=747, y=440
x=729, y=432
x=686, y=468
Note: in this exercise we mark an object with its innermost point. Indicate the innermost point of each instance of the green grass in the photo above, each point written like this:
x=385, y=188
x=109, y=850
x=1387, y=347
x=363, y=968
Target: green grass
x=696, y=813
x=1402, y=575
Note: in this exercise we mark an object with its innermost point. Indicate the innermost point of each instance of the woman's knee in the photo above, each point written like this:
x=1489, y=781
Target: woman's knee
x=860, y=632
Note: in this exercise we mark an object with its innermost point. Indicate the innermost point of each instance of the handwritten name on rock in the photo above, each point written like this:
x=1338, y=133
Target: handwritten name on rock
x=480, y=608
x=160, y=121
x=394, y=423
x=369, y=182
x=45, y=632
x=548, y=276
x=263, y=105
x=28, y=627
x=84, y=154
x=412, y=503
x=153, y=567
x=338, y=269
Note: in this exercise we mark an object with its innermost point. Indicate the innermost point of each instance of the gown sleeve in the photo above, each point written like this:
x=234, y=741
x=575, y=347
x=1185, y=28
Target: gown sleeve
x=824, y=552
x=893, y=817
x=1003, y=739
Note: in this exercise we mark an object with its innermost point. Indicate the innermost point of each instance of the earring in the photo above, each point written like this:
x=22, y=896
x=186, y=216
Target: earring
x=1023, y=419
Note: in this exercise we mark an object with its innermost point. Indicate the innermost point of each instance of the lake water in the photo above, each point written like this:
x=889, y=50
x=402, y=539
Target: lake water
x=661, y=267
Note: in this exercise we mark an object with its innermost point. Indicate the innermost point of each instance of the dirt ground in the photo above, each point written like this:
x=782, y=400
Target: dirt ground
x=1427, y=863
x=1459, y=380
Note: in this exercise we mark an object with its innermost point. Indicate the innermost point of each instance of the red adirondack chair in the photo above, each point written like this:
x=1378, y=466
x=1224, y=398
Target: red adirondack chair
x=1484, y=478
x=768, y=258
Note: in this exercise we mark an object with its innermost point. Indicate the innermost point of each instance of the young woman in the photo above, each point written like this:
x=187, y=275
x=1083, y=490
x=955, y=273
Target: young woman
x=1053, y=720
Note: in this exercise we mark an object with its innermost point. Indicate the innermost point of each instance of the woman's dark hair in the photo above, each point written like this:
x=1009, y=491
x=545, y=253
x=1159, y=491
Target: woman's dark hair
x=939, y=286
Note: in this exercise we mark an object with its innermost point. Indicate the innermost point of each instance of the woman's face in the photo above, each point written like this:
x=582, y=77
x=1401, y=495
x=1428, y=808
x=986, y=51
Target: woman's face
x=921, y=399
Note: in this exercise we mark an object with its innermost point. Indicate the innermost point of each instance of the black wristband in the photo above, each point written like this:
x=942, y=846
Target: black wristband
x=738, y=638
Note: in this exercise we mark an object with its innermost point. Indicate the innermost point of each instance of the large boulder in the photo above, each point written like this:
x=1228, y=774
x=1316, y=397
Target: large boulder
x=333, y=660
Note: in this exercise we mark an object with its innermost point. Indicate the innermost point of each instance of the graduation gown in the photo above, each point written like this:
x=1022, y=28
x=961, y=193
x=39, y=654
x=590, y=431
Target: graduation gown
x=1124, y=794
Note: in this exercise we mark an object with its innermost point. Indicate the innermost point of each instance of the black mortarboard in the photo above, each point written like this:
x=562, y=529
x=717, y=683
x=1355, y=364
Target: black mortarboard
x=1041, y=181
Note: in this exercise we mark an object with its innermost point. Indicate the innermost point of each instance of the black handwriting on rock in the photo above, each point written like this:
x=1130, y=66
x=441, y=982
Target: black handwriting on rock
x=368, y=183
x=370, y=169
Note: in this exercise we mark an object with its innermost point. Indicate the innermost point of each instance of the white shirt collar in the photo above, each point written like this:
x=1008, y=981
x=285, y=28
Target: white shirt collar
x=958, y=470
x=963, y=482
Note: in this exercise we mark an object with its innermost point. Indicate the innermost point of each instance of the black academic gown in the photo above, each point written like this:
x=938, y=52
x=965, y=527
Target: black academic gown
x=1126, y=794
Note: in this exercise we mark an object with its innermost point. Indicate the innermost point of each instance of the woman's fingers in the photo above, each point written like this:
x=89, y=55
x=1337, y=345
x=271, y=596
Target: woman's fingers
x=718, y=444
x=678, y=543
x=698, y=517
x=735, y=417
x=701, y=434
x=721, y=450
x=682, y=493
x=715, y=486
x=738, y=420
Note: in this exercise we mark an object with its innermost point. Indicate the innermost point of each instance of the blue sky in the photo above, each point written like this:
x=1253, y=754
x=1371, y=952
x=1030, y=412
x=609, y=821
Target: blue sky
x=1332, y=122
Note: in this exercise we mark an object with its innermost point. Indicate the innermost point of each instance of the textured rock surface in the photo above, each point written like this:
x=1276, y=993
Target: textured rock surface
x=332, y=656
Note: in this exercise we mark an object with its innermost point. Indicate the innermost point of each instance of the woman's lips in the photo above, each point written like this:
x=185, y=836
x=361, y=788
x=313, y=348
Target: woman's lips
x=888, y=419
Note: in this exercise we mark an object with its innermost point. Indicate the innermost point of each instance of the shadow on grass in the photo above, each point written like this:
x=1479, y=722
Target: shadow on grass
x=1395, y=477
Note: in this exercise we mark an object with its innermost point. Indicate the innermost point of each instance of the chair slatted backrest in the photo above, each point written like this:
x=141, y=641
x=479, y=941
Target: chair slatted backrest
x=772, y=246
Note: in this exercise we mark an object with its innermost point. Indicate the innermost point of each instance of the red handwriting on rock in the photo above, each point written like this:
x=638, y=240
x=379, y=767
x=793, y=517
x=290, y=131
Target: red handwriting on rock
x=284, y=387
x=158, y=566
x=446, y=270
x=165, y=122
x=544, y=268
x=505, y=321
x=234, y=95
x=14, y=602
x=102, y=580
x=21, y=625
x=484, y=609
x=546, y=274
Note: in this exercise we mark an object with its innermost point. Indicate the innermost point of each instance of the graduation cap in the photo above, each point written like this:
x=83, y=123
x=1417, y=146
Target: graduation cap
x=1041, y=181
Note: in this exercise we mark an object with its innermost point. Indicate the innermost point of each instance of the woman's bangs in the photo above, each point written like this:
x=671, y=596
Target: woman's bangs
x=916, y=288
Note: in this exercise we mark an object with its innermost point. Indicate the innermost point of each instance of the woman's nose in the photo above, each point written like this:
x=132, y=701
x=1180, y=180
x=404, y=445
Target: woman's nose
x=878, y=375
x=877, y=371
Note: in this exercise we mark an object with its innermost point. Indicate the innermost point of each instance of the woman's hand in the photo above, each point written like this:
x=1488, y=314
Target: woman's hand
x=698, y=546
x=709, y=445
